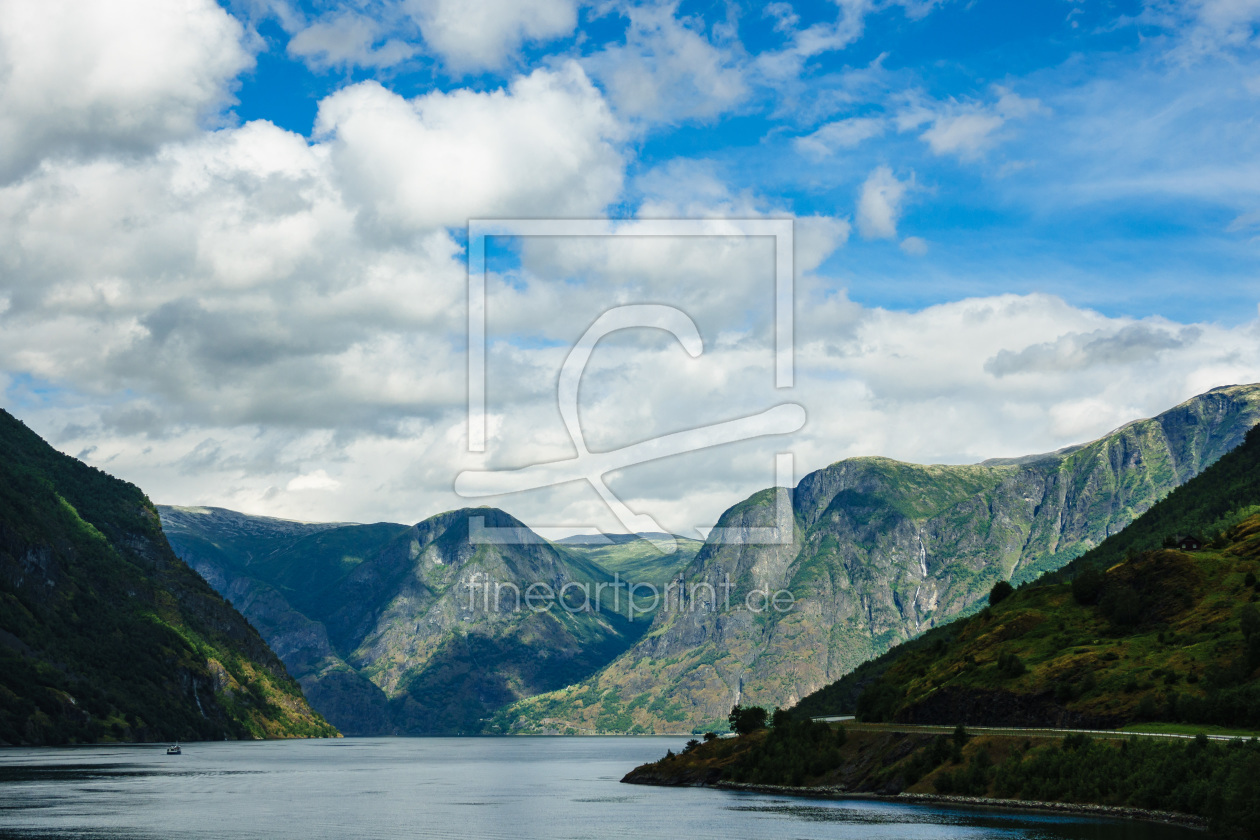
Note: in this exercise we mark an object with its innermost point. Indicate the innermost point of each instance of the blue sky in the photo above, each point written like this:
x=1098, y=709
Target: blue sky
x=232, y=234
x=1030, y=210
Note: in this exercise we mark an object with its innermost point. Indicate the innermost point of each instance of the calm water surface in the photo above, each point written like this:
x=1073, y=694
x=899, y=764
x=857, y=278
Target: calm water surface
x=449, y=787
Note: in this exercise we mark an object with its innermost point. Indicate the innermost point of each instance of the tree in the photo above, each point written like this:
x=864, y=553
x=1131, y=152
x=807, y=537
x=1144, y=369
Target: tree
x=1000, y=592
x=1087, y=587
x=745, y=719
x=1010, y=665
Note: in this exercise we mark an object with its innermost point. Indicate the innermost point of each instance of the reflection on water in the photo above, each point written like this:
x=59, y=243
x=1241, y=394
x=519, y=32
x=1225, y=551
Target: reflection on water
x=450, y=787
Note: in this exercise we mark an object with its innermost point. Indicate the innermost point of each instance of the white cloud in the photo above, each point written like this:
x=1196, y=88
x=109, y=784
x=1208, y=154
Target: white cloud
x=347, y=39
x=1202, y=28
x=485, y=34
x=880, y=203
x=284, y=282
x=817, y=237
x=786, y=64
x=914, y=246
x=867, y=377
x=785, y=19
x=669, y=70
x=465, y=37
x=841, y=134
x=545, y=146
x=317, y=480
x=235, y=261
x=84, y=78
x=969, y=129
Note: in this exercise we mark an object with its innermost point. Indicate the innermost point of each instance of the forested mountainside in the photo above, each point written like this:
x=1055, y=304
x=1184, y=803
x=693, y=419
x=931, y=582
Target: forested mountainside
x=104, y=633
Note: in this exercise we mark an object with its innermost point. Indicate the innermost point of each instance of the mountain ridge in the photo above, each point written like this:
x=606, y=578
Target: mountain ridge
x=882, y=550
x=1131, y=631
x=380, y=624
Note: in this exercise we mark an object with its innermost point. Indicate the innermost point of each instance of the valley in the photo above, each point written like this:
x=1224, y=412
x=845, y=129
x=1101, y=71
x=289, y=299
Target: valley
x=381, y=627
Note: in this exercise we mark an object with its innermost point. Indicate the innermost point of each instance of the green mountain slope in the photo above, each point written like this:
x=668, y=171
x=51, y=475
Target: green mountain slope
x=1161, y=635
x=632, y=557
x=381, y=628
x=104, y=633
x=882, y=552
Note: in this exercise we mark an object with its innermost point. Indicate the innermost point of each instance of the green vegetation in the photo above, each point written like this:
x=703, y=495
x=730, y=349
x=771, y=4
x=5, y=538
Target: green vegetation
x=634, y=560
x=795, y=748
x=1206, y=509
x=746, y=719
x=1164, y=635
x=104, y=634
x=1218, y=782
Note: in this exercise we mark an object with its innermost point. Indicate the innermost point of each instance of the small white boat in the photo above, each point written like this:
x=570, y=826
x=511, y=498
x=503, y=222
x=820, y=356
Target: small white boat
x=174, y=749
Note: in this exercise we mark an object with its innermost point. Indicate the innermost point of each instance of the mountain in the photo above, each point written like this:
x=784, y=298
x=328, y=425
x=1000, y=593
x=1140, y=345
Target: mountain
x=104, y=633
x=1162, y=633
x=882, y=551
x=382, y=629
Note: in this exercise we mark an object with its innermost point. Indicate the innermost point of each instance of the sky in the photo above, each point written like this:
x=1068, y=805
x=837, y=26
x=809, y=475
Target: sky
x=233, y=236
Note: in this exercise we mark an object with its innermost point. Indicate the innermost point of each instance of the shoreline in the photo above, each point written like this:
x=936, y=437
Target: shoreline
x=1084, y=809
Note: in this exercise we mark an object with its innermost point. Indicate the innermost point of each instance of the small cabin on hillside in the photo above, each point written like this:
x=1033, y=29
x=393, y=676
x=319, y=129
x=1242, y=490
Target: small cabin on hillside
x=1188, y=543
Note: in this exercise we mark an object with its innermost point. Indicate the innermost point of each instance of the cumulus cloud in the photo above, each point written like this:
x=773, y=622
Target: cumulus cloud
x=348, y=39
x=226, y=334
x=464, y=37
x=880, y=203
x=264, y=271
x=234, y=260
x=485, y=34
x=247, y=317
x=669, y=69
x=85, y=78
x=545, y=146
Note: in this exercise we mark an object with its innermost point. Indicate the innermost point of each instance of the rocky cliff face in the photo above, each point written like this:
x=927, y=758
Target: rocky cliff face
x=391, y=629
x=881, y=552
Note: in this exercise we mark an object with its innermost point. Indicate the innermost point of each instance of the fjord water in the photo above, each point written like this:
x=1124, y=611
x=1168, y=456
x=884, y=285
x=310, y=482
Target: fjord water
x=448, y=787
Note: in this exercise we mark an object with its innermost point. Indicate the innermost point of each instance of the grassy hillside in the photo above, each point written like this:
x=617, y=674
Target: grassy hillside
x=1128, y=633
x=104, y=633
